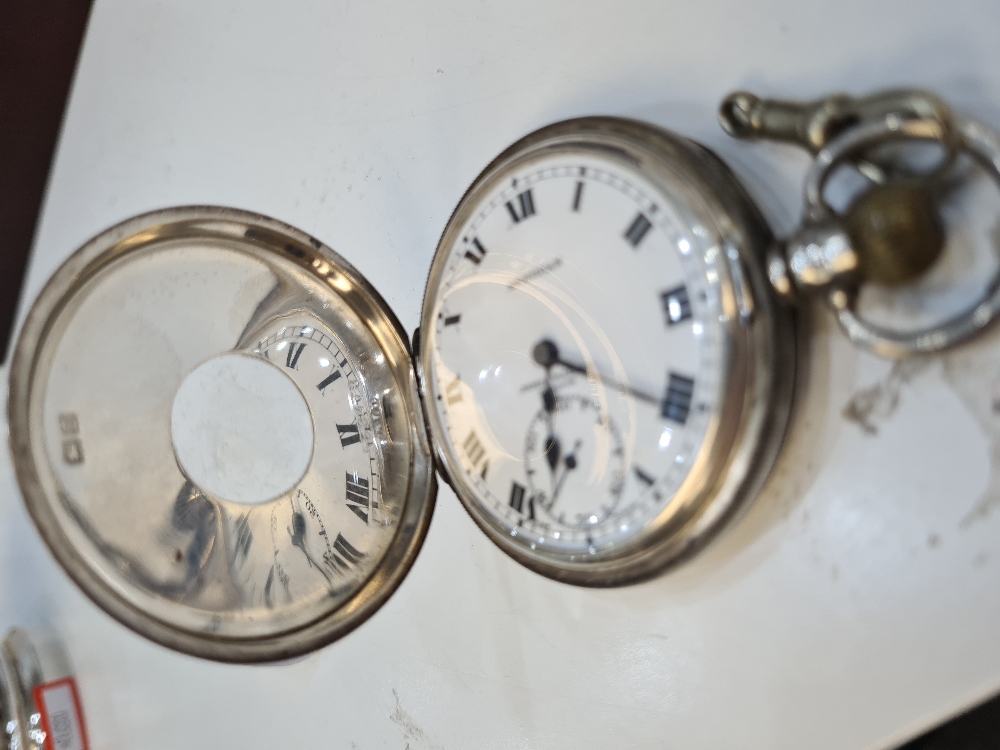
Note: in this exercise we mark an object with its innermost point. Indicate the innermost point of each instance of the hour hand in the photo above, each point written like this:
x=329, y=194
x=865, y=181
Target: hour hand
x=569, y=463
x=552, y=452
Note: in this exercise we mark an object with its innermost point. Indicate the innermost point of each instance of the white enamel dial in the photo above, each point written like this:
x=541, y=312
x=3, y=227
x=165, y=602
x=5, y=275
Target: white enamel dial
x=577, y=349
x=586, y=259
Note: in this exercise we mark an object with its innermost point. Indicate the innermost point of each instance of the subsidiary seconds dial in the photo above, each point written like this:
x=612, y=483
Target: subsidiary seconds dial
x=585, y=317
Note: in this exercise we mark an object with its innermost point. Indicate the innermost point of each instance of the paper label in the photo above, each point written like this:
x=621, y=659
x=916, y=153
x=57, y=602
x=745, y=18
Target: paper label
x=61, y=716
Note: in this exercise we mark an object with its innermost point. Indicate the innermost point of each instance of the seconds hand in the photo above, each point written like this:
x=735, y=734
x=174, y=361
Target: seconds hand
x=546, y=353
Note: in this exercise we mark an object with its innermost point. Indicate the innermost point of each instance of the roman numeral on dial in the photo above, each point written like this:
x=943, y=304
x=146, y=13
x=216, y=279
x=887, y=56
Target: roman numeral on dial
x=344, y=555
x=643, y=477
x=333, y=376
x=268, y=598
x=357, y=496
x=453, y=392
x=292, y=358
x=637, y=230
x=348, y=434
x=676, y=403
x=676, y=305
x=477, y=252
x=577, y=196
x=521, y=207
x=517, y=501
x=476, y=453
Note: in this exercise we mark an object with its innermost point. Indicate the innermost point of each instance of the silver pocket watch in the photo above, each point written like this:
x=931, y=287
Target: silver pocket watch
x=227, y=440
x=215, y=424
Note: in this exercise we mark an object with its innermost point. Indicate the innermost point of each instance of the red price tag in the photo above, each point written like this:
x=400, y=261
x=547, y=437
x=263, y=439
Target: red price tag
x=61, y=716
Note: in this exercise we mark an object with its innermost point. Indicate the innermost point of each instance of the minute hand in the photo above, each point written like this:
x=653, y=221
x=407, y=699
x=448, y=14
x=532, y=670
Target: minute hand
x=546, y=353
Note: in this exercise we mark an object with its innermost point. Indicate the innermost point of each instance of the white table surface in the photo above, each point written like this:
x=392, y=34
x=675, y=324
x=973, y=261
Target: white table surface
x=857, y=602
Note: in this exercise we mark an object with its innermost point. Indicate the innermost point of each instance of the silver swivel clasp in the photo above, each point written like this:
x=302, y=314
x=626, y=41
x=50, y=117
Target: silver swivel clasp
x=889, y=234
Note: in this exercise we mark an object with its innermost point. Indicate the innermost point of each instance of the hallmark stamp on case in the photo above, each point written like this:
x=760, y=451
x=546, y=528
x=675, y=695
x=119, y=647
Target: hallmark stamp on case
x=72, y=446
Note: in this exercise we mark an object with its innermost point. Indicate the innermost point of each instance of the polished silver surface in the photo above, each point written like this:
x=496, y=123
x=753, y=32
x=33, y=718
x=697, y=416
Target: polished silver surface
x=102, y=355
x=977, y=141
x=814, y=124
x=20, y=673
x=819, y=259
x=39, y=704
x=754, y=372
x=821, y=255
